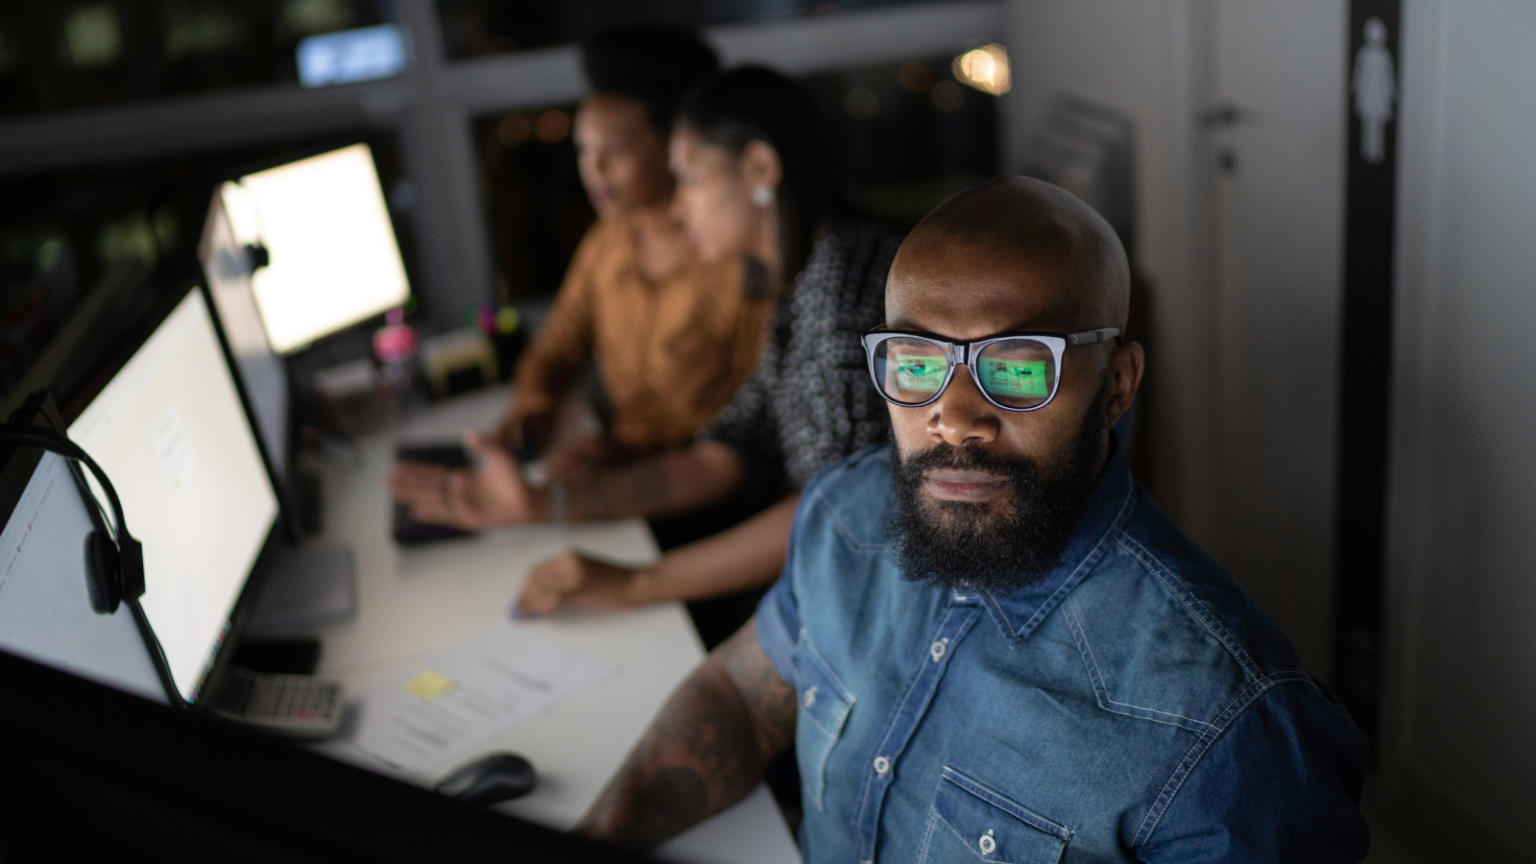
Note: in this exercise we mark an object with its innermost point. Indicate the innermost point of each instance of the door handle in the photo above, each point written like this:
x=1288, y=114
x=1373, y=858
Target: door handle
x=1224, y=115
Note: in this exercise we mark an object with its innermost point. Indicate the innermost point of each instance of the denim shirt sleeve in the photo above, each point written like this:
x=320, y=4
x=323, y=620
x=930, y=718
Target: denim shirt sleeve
x=1281, y=783
x=778, y=616
x=778, y=625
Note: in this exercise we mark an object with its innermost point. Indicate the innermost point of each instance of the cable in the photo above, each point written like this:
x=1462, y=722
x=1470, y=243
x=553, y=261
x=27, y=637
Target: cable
x=157, y=656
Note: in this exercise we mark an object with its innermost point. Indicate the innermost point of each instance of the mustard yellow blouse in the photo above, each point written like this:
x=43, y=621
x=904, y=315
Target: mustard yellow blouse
x=670, y=352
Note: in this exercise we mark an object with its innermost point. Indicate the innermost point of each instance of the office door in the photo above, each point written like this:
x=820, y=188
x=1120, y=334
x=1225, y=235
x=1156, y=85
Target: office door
x=1275, y=121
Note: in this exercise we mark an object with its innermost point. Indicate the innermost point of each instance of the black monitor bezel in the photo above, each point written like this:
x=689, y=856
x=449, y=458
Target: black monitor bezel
x=280, y=476
x=139, y=776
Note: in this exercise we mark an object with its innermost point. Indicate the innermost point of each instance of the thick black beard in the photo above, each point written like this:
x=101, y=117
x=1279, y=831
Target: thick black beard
x=960, y=544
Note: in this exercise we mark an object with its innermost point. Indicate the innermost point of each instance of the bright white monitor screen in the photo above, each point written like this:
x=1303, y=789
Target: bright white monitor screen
x=261, y=369
x=334, y=259
x=45, y=607
x=171, y=434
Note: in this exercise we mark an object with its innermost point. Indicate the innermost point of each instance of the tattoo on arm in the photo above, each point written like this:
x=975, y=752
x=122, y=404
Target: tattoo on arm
x=706, y=750
x=770, y=699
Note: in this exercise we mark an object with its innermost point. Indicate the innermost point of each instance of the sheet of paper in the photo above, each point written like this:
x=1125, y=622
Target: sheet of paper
x=435, y=713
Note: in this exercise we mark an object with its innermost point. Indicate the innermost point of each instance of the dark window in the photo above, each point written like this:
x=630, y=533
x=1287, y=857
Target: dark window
x=83, y=53
x=111, y=242
x=475, y=28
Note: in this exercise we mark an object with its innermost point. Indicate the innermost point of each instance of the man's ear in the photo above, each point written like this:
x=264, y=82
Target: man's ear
x=760, y=165
x=1126, y=367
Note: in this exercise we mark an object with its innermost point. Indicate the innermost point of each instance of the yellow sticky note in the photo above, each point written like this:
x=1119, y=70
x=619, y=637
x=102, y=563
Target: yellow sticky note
x=429, y=685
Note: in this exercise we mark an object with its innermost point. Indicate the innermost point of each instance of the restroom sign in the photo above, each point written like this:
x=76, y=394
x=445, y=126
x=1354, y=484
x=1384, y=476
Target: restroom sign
x=1373, y=88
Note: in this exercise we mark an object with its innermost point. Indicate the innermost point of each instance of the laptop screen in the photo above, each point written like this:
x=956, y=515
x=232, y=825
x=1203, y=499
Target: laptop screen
x=170, y=432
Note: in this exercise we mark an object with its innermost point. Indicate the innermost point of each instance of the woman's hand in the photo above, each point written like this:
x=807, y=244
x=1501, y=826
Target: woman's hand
x=493, y=494
x=572, y=581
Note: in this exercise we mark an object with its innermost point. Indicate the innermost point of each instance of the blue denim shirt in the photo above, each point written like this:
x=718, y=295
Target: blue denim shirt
x=1132, y=706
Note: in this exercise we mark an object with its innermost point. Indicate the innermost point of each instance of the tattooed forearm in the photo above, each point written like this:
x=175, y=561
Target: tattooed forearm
x=769, y=698
x=660, y=485
x=676, y=796
x=706, y=750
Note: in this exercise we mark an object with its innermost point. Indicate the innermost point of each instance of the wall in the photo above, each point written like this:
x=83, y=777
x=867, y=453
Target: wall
x=1459, y=739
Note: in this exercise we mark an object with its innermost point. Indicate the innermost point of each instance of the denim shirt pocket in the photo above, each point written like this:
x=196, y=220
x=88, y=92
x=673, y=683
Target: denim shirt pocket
x=973, y=822
x=824, y=707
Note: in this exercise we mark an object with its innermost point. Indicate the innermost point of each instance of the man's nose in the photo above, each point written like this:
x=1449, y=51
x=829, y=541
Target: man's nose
x=962, y=415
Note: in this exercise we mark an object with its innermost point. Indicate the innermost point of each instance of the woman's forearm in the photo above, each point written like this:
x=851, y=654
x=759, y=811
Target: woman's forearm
x=748, y=555
x=668, y=483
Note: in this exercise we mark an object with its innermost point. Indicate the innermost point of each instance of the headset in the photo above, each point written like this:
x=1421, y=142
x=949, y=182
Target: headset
x=115, y=560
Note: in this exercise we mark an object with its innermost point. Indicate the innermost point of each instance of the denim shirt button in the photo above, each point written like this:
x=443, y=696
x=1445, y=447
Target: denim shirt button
x=810, y=696
x=987, y=843
x=882, y=766
x=937, y=649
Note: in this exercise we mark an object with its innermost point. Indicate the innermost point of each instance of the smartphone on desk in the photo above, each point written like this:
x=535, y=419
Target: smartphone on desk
x=406, y=529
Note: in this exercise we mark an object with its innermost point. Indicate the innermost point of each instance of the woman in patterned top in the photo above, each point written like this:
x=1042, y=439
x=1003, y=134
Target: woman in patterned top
x=754, y=178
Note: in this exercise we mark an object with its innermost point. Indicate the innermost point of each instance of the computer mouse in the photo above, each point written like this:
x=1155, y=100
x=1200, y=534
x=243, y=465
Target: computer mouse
x=490, y=779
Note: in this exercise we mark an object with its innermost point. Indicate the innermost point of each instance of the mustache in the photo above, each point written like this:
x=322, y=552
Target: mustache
x=965, y=459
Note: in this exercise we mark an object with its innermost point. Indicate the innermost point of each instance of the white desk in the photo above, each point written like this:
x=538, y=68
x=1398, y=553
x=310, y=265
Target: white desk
x=414, y=600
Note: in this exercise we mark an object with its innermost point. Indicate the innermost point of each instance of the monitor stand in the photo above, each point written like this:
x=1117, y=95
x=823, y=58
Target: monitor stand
x=307, y=487
x=303, y=588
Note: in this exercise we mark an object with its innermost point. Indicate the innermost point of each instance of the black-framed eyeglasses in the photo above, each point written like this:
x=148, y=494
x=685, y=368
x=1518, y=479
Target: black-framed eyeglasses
x=1016, y=372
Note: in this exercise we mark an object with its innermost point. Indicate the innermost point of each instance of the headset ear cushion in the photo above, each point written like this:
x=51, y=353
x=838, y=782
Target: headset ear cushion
x=101, y=578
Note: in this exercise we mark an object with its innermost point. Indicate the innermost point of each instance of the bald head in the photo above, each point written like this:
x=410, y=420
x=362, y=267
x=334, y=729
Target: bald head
x=1024, y=249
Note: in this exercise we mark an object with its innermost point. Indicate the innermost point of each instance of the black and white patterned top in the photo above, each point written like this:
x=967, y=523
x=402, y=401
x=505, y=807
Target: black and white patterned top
x=810, y=402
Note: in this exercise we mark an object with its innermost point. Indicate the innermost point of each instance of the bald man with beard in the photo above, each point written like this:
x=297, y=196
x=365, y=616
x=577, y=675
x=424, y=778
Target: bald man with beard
x=988, y=643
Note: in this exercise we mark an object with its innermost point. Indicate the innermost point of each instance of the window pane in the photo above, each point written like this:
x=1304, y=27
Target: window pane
x=536, y=208
x=70, y=55
x=475, y=28
x=909, y=135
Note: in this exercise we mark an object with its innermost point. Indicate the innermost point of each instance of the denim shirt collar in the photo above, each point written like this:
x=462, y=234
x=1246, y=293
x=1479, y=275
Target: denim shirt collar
x=1019, y=612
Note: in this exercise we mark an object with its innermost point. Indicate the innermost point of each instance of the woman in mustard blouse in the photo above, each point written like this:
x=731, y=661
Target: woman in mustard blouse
x=672, y=337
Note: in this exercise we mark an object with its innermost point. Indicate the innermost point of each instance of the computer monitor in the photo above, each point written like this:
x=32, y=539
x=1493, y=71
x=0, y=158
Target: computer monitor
x=45, y=607
x=262, y=372
x=332, y=257
x=170, y=431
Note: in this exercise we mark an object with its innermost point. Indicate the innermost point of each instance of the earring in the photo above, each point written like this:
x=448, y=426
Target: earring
x=762, y=196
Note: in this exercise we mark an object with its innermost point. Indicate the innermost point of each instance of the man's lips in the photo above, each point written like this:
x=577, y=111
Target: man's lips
x=953, y=484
